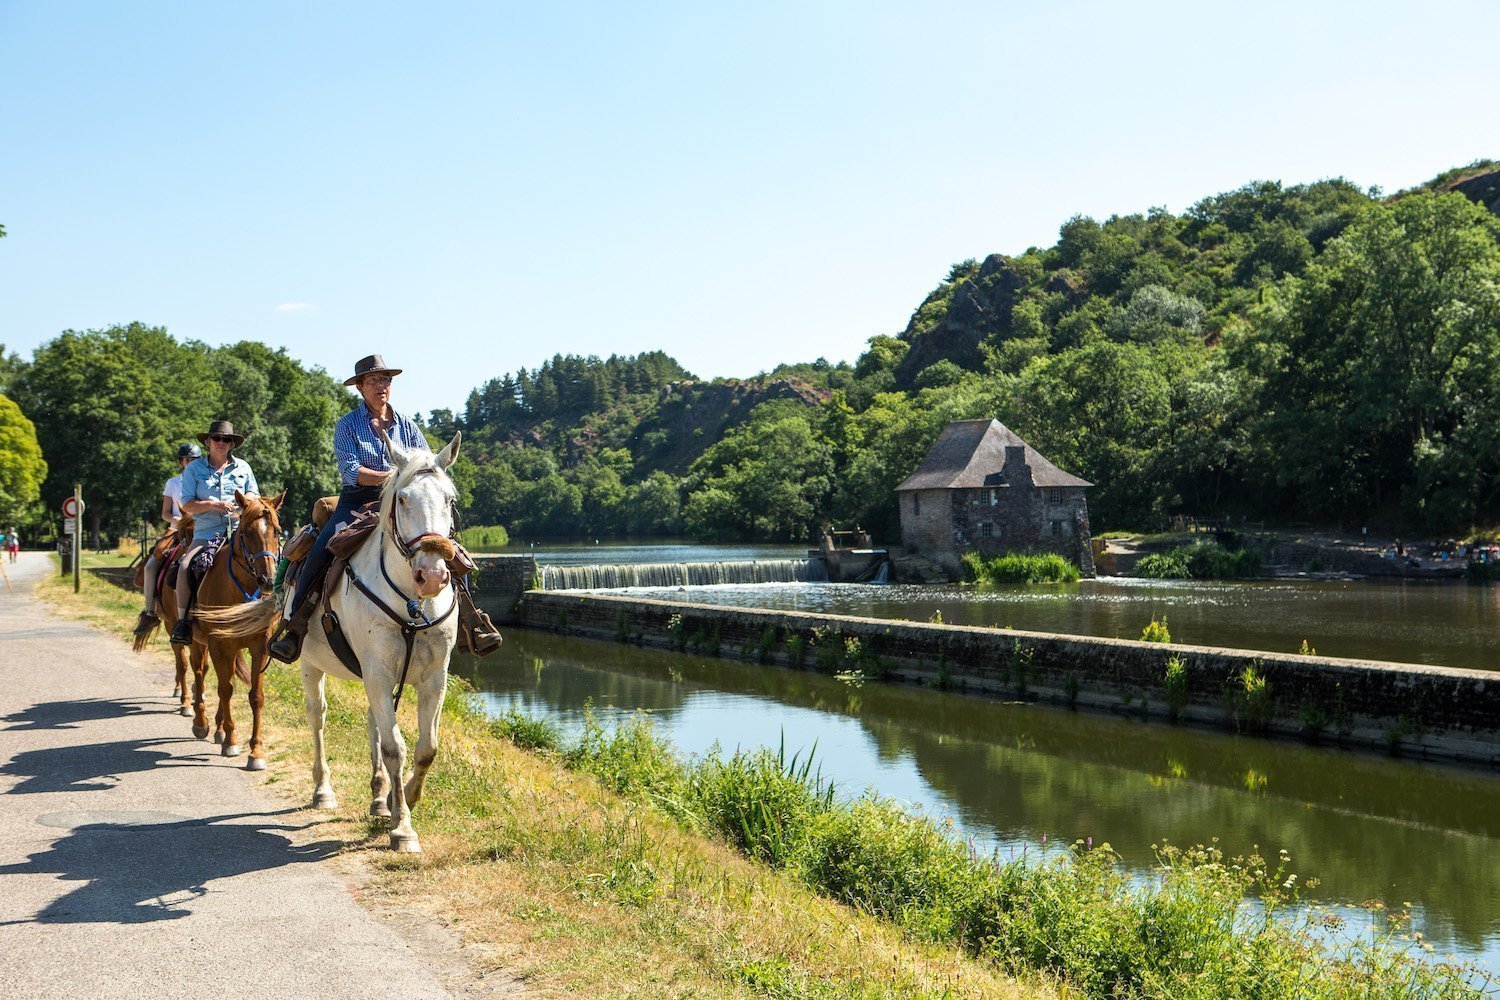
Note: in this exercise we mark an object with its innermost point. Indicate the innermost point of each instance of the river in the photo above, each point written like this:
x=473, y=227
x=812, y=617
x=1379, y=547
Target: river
x=1009, y=775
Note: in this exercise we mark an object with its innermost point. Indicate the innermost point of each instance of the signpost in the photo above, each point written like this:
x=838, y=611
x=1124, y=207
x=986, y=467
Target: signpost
x=72, y=509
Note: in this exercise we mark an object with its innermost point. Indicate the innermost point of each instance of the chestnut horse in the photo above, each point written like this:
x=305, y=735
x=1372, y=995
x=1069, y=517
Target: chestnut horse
x=242, y=572
x=166, y=609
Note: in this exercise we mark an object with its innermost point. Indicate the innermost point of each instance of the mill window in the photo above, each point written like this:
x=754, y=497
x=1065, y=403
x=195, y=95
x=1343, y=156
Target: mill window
x=987, y=530
x=994, y=497
x=1056, y=529
x=1054, y=495
x=916, y=503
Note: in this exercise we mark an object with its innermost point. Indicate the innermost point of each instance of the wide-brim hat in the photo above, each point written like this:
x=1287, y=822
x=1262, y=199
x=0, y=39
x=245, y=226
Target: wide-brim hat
x=221, y=428
x=372, y=365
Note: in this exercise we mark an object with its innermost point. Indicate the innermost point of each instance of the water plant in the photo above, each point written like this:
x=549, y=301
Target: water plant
x=1307, y=650
x=1200, y=561
x=678, y=632
x=1018, y=567
x=796, y=649
x=526, y=731
x=1255, y=699
x=1156, y=630
x=1175, y=682
x=767, y=648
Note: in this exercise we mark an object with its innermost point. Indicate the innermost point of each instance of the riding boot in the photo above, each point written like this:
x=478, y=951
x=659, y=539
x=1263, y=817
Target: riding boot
x=287, y=646
x=182, y=632
x=474, y=626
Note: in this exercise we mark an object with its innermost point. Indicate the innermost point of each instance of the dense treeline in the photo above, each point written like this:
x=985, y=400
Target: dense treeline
x=1312, y=352
x=111, y=407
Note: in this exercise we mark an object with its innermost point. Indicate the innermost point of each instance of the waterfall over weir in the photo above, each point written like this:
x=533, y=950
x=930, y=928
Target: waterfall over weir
x=696, y=574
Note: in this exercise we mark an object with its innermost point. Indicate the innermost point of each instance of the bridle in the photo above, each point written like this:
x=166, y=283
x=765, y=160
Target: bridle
x=416, y=620
x=238, y=546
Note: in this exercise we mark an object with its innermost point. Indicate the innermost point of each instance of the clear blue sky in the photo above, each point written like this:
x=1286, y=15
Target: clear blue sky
x=470, y=188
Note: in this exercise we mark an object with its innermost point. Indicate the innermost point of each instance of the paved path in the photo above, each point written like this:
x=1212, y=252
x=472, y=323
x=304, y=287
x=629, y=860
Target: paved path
x=137, y=862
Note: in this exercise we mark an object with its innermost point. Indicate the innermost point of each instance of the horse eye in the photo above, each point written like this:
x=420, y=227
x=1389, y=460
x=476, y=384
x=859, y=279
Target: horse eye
x=402, y=501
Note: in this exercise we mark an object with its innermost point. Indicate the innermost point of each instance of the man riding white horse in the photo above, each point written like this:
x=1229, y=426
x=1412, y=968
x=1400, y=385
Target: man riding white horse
x=364, y=466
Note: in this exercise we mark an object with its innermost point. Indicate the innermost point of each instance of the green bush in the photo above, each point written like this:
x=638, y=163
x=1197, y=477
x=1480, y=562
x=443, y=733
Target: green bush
x=1200, y=561
x=1016, y=567
x=1156, y=631
x=484, y=536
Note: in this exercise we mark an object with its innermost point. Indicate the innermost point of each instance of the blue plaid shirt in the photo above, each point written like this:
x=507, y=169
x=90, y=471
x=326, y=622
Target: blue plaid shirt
x=355, y=443
x=200, y=482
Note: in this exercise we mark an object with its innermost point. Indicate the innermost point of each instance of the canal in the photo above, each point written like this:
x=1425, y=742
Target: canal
x=1010, y=775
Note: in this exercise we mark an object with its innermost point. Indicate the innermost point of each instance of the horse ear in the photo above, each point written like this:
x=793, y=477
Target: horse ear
x=398, y=454
x=276, y=501
x=449, y=453
x=239, y=499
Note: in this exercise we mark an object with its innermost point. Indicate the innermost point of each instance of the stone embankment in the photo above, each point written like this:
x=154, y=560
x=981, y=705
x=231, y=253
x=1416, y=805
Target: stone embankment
x=1437, y=712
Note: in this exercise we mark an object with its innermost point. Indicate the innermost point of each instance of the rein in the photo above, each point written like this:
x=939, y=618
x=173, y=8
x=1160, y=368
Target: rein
x=409, y=627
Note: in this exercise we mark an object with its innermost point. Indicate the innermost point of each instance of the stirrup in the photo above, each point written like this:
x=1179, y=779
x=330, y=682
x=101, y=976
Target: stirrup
x=286, y=647
x=182, y=632
x=479, y=633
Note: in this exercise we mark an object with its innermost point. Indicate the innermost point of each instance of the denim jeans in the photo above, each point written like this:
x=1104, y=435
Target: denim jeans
x=351, y=500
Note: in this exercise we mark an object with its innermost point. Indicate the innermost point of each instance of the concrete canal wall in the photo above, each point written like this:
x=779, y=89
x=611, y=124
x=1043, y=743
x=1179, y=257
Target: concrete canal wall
x=1437, y=712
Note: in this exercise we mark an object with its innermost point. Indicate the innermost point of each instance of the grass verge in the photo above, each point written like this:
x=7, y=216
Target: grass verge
x=573, y=886
x=1018, y=567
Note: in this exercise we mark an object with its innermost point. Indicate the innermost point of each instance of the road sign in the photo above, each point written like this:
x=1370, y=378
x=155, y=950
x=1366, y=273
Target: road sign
x=70, y=525
x=72, y=507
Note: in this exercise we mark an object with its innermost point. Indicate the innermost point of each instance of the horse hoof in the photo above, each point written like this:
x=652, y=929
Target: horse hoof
x=380, y=810
x=218, y=736
x=325, y=800
x=406, y=844
x=230, y=750
x=185, y=711
x=201, y=732
x=255, y=764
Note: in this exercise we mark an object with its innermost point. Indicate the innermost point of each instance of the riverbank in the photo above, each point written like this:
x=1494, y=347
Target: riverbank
x=570, y=887
x=1438, y=713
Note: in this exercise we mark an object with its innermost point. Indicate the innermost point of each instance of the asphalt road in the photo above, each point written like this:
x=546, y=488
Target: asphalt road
x=137, y=862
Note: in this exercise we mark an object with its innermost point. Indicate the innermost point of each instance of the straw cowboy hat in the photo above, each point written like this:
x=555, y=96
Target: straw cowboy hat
x=372, y=365
x=221, y=428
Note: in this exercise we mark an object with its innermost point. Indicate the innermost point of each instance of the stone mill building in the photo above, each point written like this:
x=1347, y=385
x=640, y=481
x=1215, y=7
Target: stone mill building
x=981, y=488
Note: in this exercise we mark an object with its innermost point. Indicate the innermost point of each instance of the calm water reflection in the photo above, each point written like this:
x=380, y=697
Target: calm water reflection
x=1452, y=624
x=1367, y=827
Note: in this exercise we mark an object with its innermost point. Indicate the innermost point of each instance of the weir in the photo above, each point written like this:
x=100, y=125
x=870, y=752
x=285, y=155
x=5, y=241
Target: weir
x=1438, y=713
x=694, y=574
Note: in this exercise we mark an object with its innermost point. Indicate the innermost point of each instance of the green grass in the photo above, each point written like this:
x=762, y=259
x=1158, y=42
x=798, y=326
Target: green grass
x=484, y=536
x=1072, y=912
x=1018, y=567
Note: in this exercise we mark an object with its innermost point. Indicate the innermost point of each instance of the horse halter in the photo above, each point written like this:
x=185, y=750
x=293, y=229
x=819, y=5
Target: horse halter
x=408, y=546
x=240, y=547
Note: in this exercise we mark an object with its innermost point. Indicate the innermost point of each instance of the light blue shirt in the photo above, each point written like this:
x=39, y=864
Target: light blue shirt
x=355, y=443
x=201, y=482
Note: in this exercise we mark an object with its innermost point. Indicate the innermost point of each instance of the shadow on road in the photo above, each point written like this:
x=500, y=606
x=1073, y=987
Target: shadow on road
x=97, y=767
x=69, y=714
x=139, y=872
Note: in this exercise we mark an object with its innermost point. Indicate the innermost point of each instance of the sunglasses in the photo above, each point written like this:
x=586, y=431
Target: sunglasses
x=221, y=439
x=377, y=380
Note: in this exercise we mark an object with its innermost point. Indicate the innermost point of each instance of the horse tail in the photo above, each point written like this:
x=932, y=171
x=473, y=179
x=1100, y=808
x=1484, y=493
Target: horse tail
x=240, y=621
x=241, y=669
x=142, y=638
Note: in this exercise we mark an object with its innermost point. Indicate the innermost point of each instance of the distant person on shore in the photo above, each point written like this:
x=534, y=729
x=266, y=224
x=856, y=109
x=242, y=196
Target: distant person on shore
x=13, y=543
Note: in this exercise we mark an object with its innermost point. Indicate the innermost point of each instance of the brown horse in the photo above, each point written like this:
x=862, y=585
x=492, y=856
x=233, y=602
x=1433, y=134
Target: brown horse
x=166, y=605
x=242, y=571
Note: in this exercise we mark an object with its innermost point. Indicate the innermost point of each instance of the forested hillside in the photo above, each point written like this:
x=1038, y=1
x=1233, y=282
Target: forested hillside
x=1314, y=352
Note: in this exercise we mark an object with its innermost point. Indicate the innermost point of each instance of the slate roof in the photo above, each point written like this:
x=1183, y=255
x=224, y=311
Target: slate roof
x=971, y=453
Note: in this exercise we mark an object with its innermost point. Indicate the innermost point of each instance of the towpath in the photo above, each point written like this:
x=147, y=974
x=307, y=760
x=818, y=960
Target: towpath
x=136, y=862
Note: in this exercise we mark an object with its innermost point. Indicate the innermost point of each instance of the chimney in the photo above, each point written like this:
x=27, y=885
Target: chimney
x=1016, y=471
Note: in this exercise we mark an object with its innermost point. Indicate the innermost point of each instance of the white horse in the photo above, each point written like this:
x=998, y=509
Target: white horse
x=396, y=606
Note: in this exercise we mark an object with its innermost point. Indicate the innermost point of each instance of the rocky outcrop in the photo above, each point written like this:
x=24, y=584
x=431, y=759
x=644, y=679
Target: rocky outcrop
x=979, y=309
x=1482, y=188
x=692, y=416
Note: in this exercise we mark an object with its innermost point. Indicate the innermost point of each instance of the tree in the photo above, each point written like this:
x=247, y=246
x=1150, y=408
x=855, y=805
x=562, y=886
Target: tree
x=769, y=478
x=110, y=408
x=22, y=469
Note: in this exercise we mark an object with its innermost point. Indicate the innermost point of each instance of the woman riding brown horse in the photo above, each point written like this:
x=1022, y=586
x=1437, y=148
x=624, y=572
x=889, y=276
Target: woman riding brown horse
x=242, y=571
